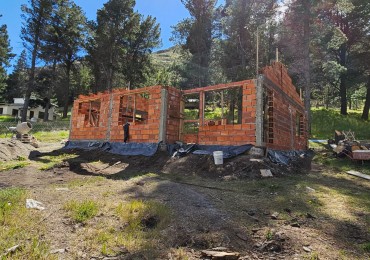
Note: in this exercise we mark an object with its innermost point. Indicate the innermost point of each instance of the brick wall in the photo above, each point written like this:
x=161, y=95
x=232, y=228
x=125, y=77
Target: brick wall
x=173, y=115
x=287, y=106
x=284, y=125
x=225, y=134
x=140, y=131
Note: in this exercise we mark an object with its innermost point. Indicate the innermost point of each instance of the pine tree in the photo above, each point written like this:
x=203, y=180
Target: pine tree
x=5, y=54
x=195, y=35
x=35, y=16
x=17, y=80
x=121, y=43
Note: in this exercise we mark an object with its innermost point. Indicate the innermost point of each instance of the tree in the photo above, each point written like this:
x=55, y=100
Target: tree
x=62, y=43
x=295, y=44
x=121, y=43
x=17, y=80
x=5, y=54
x=195, y=35
x=35, y=17
x=344, y=25
x=242, y=22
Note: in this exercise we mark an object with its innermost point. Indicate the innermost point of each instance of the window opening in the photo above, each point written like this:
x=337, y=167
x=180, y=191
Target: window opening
x=191, y=114
x=91, y=111
x=134, y=109
x=223, y=106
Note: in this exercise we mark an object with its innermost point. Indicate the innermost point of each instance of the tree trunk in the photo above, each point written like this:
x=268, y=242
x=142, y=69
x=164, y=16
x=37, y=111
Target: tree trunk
x=342, y=86
x=31, y=83
x=35, y=48
x=343, y=95
x=306, y=66
x=66, y=96
x=365, y=112
x=49, y=93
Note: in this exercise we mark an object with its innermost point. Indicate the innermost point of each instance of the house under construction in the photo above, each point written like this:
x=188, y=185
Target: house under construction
x=266, y=112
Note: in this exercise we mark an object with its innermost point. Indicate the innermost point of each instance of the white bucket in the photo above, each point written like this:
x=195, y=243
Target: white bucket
x=218, y=156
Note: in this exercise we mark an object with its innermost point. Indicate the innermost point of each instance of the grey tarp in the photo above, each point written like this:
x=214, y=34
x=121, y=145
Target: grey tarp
x=146, y=149
x=286, y=157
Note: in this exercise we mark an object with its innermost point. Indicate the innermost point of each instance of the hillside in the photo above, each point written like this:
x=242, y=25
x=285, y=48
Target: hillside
x=166, y=57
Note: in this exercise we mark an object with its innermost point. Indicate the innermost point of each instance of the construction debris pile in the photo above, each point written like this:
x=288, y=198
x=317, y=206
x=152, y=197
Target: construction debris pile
x=346, y=145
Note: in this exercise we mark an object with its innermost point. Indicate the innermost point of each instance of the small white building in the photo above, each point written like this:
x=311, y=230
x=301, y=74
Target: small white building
x=16, y=108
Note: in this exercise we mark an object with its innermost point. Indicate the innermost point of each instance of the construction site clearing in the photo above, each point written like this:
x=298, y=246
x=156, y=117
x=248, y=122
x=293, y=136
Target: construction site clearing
x=155, y=146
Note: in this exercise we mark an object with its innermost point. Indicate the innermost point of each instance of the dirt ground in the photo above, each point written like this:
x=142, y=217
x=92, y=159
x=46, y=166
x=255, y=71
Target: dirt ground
x=297, y=214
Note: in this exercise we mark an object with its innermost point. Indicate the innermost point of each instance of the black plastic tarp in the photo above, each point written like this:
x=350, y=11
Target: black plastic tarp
x=146, y=149
x=228, y=151
x=286, y=157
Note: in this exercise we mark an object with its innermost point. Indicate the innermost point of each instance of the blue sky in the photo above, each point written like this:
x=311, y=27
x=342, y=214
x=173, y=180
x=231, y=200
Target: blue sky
x=167, y=12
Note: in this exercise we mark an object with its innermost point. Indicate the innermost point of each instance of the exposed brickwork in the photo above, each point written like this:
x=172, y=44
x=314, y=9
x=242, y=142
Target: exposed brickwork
x=140, y=132
x=287, y=106
x=284, y=124
x=223, y=134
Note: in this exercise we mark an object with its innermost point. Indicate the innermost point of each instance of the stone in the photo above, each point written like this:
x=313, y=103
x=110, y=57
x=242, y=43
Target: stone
x=266, y=173
x=275, y=215
x=220, y=254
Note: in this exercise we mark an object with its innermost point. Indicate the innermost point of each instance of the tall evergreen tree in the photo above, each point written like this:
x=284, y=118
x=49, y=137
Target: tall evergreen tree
x=35, y=16
x=121, y=42
x=295, y=42
x=5, y=54
x=244, y=21
x=17, y=80
x=195, y=35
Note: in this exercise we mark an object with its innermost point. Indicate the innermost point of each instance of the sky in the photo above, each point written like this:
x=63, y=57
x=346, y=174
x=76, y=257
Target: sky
x=167, y=12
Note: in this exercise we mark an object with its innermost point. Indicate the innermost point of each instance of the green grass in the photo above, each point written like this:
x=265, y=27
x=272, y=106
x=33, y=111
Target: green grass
x=51, y=137
x=324, y=122
x=49, y=162
x=84, y=182
x=81, y=211
x=341, y=164
x=21, y=226
x=21, y=162
x=7, y=119
x=138, y=234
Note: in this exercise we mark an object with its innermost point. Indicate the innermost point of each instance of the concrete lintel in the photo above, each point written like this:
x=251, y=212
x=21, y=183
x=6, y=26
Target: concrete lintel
x=259, y=110
x=163, y=118
x=110, y=111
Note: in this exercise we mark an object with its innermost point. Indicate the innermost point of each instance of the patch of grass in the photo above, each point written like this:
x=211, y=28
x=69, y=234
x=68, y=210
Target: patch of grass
x=269, y=235
x=341, y=164
x=52, y=136
x=366, y=247
x=10, y=199
x=138, y=210
x=179, y=253
x=20, y=226
x=325, y=121
x=84, y=182
x=81, y=211
x=4, y=118
x=144, y=221
x=312, y=256
x=49, y=162
x=21, y=162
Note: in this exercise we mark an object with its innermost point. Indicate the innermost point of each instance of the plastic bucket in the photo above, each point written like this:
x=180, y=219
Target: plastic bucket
x=218, y=156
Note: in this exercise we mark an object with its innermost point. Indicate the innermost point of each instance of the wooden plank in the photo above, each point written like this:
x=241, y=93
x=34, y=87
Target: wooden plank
x=359, y=174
